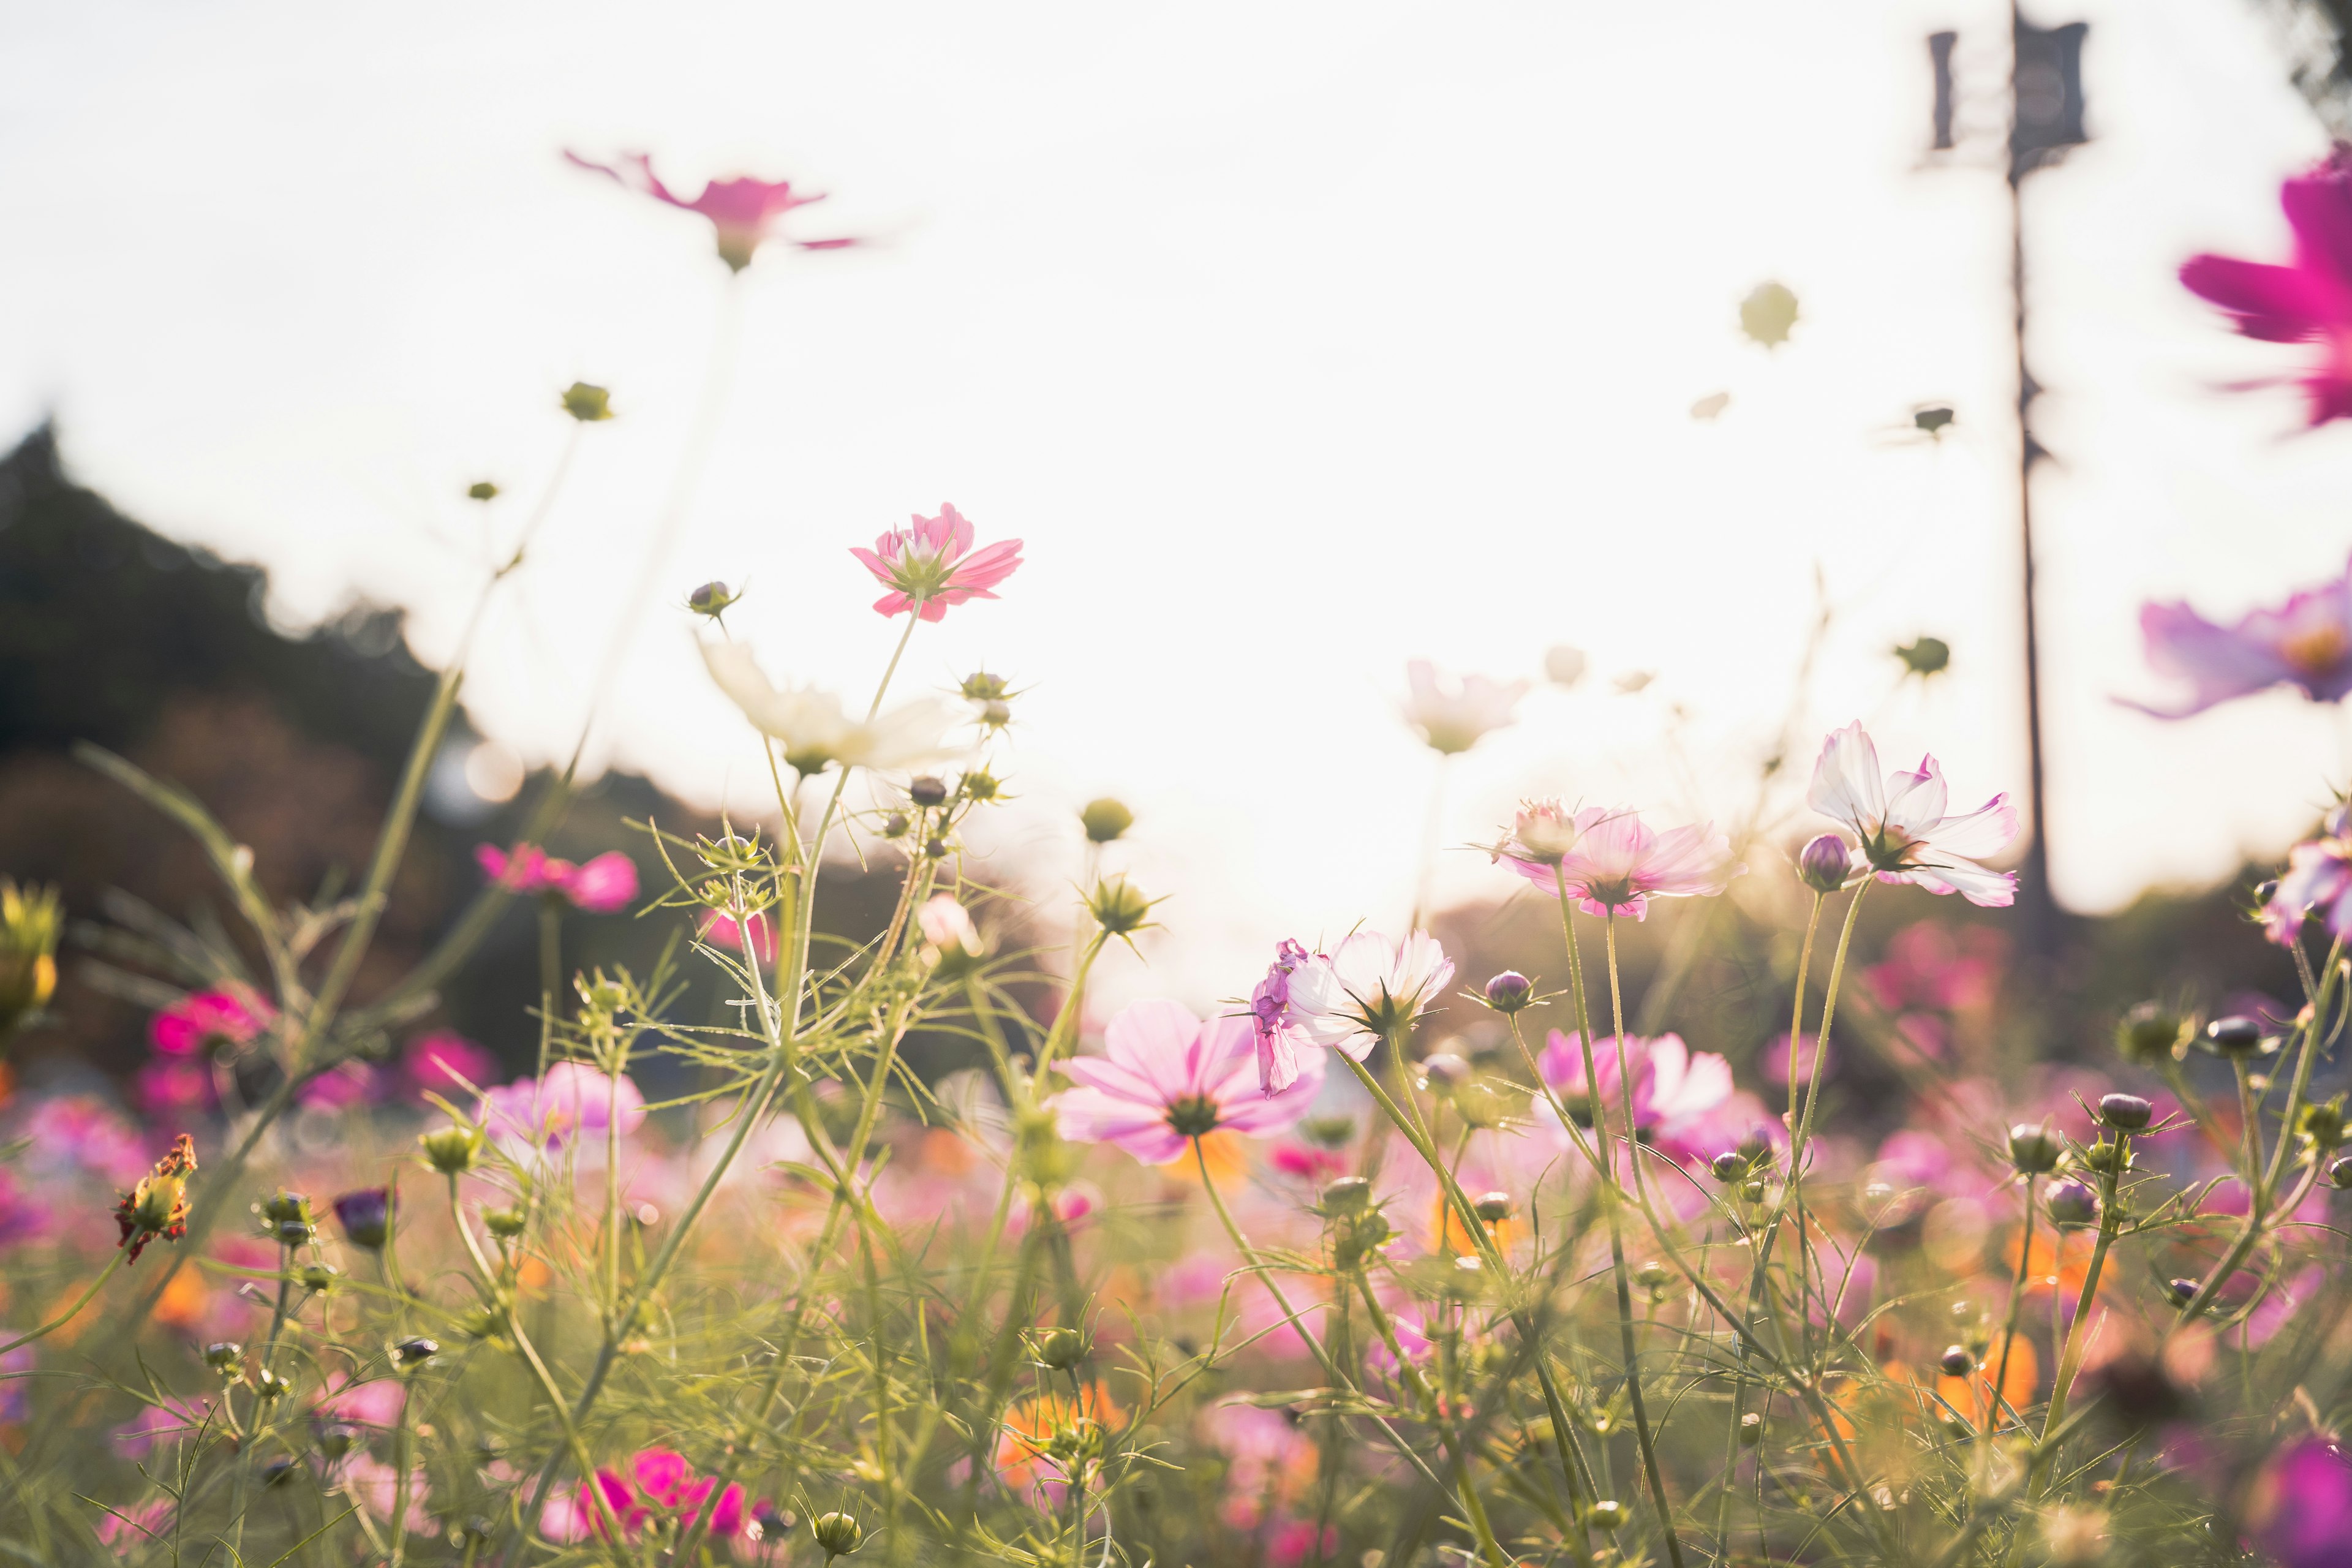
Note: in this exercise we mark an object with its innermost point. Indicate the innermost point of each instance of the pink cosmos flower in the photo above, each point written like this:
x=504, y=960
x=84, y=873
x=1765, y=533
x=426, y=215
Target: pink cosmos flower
x=1905, y=835
x=723, y=931
x=201, y=1022
x=1351, y=1000
x=2318, y=880
x=1281, y=1042
x=341, y=1087
x=2305, y=642
x=1612, y=861
x=447, y=1063
x=1674, y=1090
x=929, y=564
x=165, y=1088
x=1165, y=1078
x=2300, y=1507
x=744, y=210
x=1451, y=714
x=2308, y=301
x=1925, y=967
x=946, y=923
x=605, y=884
x=572, y=1099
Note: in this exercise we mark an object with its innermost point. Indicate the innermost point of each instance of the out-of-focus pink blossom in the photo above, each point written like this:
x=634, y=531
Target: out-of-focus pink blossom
x=166, y=1419
x=745, y=212
x=605, y=884
x=1925, y=966
x=375, y=1403
x=2300, y=1510
x=929, y=564
x=1451, y=713
x=946, y=923
x=1899, y=817
x=1774, y=1064
x=203, y=1021
x=124, y=1530
x=447, y=1063
x=2307, y=301
x=1349, y=1001
x=1683, y=1102
x=168, y=1087
x=343, y=1086
x=79, y=1135
x=1298, y=1540
x=1309, y=1161
x=1165, y=1078
x=377, y=1484
x=574, y=1100
x=1610, y=861
x=23, y=1215
x=720, y=929
x=2318, y=881
x=2305, y=643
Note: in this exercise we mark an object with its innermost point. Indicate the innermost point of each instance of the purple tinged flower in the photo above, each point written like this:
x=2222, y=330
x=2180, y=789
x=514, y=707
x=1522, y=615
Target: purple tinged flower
x=745, y=212
x=2308, y=301
x=570, y=1099
x=1352, y=999
x=1899, y=819
x=2301, y=1508
x=2305, y=642
x=1612, y=861
x=1824, y=863
x=1165, y=1078
x=366, y=1216
x=1281, y=1042
x=2318, y=880
x=2072, y=1205
x=1509, y=992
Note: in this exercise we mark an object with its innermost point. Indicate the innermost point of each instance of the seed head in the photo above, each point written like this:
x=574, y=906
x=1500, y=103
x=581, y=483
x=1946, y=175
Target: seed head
x=1119, y=906
x=158, y=1205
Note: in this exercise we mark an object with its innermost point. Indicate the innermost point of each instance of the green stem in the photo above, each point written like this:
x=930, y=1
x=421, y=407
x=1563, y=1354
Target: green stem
x=2069, y=1359
x=68, y=1316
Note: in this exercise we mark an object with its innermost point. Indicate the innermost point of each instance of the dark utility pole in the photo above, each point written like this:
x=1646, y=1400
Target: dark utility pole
x=2045, y=119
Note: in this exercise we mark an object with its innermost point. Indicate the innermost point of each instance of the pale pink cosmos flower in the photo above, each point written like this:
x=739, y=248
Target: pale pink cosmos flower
x=722, y=929
x=602, y=885
x=2318, y=880
x=946, y=923
x=1613, y=863
x=227, y=1015
x=744, y=210
x=2308, y=301
x=2305, y=643
x=1899, y=818
x=929, y=564
x=1352, y=999
x=1451, y=713
x=1166, y=1078
x=1676, y=1093
x=572, y=1099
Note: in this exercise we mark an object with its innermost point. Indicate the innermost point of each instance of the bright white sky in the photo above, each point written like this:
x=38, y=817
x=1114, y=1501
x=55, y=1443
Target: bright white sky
x=1296, y=340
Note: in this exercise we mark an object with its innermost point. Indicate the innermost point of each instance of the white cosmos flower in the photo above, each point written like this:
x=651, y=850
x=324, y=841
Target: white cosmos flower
x=813, y=729
x=1899, y=818
x=1349, y=1000
x=1451, y=713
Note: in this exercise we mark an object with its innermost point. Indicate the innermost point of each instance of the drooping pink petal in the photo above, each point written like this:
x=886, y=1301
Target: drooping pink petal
x=603, y=884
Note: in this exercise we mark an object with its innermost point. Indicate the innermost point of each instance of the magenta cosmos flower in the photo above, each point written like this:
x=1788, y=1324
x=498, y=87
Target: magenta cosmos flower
x=2307, y=301
x=2318, y=880
x=601, y=886
x=745, y=212
x=930, y=565
x=1612, y=861
x=1899, y=819
x=2305, y=642
x=2301, y=1506
x=204, y=1020
x=1165, y=1078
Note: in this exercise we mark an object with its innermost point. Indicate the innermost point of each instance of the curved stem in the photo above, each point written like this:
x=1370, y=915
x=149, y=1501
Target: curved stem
x=68, y=1316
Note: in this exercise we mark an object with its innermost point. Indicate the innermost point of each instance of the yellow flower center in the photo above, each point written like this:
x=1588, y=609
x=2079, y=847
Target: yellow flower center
x=2313, y=651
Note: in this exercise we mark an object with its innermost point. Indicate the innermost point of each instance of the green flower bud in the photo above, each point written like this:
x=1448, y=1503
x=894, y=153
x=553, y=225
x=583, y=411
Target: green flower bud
x=980, y=686
x=1059, y=1348
x=837, y=1534
x=1106, y=820
x=222, y=1354
x=1926, y=655
x=927, y=790
x=587, y=403
x=1119, y=906
x=2151, y=1032
x=452, y=1150
x=1769, y=313
x=2032, y=1149
x=712, y=599
x=1751, y=1429
x=1494, y=1208
x=1608, y=1516
x=30, y=921
x=1347, y=1195
x=482, y=489
x=505, y=1223
x=1933, y=418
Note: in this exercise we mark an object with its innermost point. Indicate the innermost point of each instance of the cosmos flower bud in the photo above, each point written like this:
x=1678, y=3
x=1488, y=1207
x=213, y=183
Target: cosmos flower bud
x=2150, y=1033
x=1727, y=1167
x=896, y=825
x=318, y=1278
x=1509, y=991
x=366, y=1216
x=2339, y=1175
x=996, y=713
x=286, y=1217
x=2074, y=1205
x=2238, y=1039
x=278, y=1471
x=505, y=1223
x=2032, y=1149
x=981, y=687
x=1751, y=1429
x=587, y=403
x=1607, y=1516
x=1106, y=820
x=1755, y=1149
x=414, y=1352
x=1353, y=1195
x=222, y=1354
x=451, y=1150
x=2125, y=1112
x=1823, y=863
x=711, y=599
x=335, y=1440
x=1933, y=418
x=936, y=847
x=1059, y=1348
x=1926, y=657
x=837, y=1534
x=1443, y=1072
x=2323, y=1122
x=927, y=790
x=481, y=490
x=1119, y=906
x=2106, y=1156
x=2182, y=1291
x=1493, y=1207
x=980, y=785
x=30, y=919
x=1327, y=1131
x=1956, y=1361
x=1653, y=1275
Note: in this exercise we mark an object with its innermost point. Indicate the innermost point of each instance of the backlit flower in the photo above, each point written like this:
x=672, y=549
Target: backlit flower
x=1165, y=1078
x=2308, y=301
x=158, y=1205
x=603, y=884
x=1282, y=1044
x=2305, y=643
x=1678, y=1094
x=2318, y=880
x=570, y=1099
x=946, y=923
x=1452, y=713
x=722, y=929
x=813, y=726
x=1899, y=819
x=447, y=1063
x=1352, y=1000
x=2300, y=1507
x=930, y=565
x=1610, y=861
x=744, y=210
